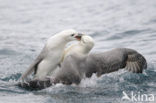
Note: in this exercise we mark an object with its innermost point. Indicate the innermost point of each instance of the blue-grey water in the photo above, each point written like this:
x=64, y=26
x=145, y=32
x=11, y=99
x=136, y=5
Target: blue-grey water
x=25, y=25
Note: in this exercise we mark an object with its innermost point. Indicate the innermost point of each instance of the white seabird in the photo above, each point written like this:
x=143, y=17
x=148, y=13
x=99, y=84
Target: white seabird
x=51, y=55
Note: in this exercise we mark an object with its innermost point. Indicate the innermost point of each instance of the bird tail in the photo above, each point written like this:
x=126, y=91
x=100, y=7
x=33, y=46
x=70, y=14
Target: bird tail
x=135, y=61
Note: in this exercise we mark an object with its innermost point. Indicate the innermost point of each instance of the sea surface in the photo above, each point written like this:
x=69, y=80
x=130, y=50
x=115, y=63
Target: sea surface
x=25, y=25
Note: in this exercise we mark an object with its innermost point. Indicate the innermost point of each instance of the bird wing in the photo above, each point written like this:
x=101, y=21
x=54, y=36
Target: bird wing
x=33, y=66
x=105, y=62
x=135, y=61
x=114, y=60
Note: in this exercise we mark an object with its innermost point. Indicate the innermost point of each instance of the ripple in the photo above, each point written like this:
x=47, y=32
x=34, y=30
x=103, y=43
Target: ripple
x=7, y=52
x=14, y=77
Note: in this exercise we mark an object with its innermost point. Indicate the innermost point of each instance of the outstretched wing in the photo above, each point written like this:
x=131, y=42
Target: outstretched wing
x=114, y=60
x=33, y=66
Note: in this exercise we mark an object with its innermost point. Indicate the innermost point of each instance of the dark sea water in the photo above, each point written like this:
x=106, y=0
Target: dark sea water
x=25, y=25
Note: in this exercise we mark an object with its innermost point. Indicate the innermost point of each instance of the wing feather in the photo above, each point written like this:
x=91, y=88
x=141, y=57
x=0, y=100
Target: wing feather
x=114, y=60
x=33, y=66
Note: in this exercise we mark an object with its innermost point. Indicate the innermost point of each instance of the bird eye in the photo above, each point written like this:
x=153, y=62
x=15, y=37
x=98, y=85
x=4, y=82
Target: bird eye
x=72, y=34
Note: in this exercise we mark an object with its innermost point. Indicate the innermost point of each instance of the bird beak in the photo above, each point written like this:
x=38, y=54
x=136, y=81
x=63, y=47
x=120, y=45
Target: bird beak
x=78, y=36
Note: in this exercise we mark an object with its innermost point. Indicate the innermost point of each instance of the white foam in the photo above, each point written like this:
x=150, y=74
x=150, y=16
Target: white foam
x=89, y=82
x=92, y=82
x=59, y=85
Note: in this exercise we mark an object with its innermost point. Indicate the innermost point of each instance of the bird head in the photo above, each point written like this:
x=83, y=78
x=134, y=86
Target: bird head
x=83, y=47
x=87, y=42
x=70, y=35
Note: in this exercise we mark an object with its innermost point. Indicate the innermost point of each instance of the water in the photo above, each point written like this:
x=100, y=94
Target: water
x=25, y=25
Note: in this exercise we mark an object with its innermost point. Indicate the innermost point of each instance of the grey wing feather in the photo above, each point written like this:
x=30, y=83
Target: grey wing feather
x=33, y=66
x=106, y=62
x=114, y=60
x=137, y=61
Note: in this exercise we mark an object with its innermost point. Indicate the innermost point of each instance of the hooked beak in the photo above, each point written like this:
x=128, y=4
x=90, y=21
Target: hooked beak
x=79, y=36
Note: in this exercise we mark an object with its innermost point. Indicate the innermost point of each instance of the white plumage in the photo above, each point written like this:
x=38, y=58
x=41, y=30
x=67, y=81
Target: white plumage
x=51, y=55
x=81, y=48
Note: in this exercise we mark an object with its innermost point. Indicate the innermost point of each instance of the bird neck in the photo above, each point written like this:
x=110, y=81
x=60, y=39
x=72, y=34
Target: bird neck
x=84, y=48
x=57, y=40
